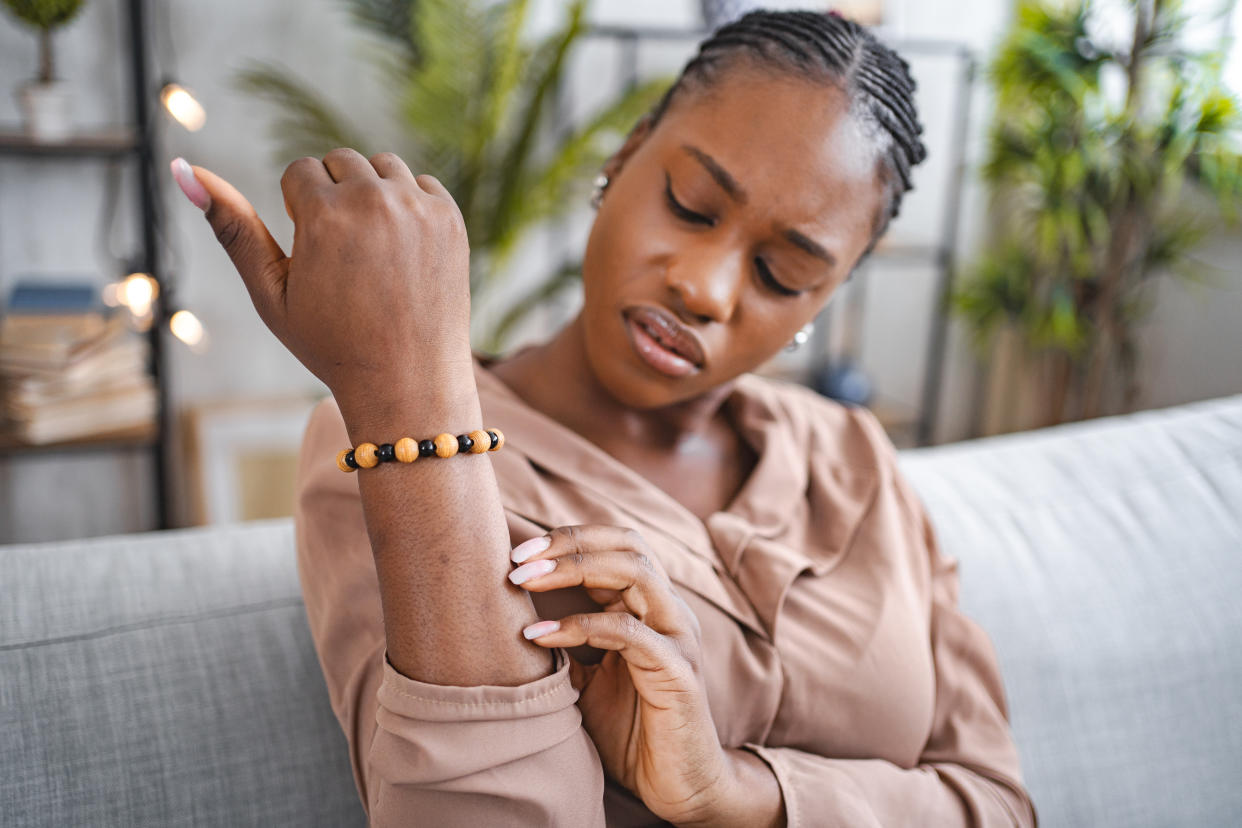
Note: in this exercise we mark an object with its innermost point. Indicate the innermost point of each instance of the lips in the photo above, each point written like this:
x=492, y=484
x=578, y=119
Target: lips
x=666, y=330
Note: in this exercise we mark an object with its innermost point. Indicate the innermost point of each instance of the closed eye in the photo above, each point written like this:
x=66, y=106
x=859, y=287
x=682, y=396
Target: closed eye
x=681, y=211
x=686, y=214
x=768, y=279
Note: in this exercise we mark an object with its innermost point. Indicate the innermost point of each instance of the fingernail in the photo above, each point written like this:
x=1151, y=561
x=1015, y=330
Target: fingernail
x=542, y=628
x=189, y=184
x=531, y=547
x=532, y=570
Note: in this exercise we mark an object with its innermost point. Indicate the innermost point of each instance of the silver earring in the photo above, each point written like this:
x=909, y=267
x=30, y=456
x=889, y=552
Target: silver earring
x=801, y=337
x=597, y=195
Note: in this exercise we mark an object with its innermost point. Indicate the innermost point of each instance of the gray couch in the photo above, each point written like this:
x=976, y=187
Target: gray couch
x=169, y=678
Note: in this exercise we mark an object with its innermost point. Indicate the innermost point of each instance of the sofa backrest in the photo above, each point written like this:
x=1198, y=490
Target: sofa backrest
x=165, y=679
x=1104, y=558
x=169, y=678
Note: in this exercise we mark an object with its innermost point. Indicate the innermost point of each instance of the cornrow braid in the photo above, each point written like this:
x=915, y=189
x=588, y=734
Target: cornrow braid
x=828, y=47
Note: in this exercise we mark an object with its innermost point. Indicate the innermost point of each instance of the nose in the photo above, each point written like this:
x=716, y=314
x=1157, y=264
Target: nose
x=708, y=282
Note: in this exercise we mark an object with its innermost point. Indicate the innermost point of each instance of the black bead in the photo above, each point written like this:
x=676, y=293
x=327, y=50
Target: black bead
x=350, y=461
x=464, y=443
x=386, y=453
x=495, y=440
x=426, y=448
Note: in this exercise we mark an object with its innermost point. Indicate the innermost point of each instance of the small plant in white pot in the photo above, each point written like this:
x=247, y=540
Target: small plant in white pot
x=46, y=101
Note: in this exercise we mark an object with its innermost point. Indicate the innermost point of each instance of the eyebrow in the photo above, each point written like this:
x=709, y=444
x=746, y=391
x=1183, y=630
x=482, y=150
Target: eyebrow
x=727, y=182
x=811, y=246
x=735, y=191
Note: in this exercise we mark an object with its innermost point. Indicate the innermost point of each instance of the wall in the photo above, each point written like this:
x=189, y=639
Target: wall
x=49, y=212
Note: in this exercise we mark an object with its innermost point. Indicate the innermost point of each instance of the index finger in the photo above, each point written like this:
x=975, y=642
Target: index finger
x=563, y=539
x=637, y=585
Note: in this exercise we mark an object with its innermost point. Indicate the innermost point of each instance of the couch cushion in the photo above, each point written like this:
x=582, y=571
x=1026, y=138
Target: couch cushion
x=165, y=679
x=1105, y=560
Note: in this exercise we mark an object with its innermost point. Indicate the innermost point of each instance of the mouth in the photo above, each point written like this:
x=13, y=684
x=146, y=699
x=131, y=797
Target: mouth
x=662, y=341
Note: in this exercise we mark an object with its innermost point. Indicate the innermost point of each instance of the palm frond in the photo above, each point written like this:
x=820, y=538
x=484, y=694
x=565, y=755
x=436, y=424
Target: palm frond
x=307, y=124
x=577, y=158
x=547, y=65
x=390, y=19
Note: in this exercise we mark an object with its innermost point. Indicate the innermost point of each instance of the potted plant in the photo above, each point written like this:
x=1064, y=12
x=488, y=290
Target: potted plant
x=1110, y=157
x=46, y=101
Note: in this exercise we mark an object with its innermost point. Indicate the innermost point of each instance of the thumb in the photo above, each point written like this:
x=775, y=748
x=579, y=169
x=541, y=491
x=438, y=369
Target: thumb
x=259, y=260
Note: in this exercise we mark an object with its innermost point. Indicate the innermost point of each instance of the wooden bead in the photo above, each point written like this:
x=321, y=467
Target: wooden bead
x=406, y=449
x=481, y=441
x=340, y=461
x=500, y=439
x=446, y=444
x=365, y=455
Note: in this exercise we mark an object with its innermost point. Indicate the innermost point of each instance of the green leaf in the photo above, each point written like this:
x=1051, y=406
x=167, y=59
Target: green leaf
x=307, y=124
x=392, y=20
x=44, y=14
x=548, y=188
x=547, y=65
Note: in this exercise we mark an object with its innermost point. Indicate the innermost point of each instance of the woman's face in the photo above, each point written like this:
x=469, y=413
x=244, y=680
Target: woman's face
x=737, y=215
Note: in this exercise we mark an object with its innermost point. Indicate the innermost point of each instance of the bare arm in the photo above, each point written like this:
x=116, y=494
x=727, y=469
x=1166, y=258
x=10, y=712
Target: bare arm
x=441, y=545
x=375, y=301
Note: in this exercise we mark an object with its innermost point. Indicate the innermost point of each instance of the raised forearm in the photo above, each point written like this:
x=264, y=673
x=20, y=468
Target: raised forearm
x=440, y=539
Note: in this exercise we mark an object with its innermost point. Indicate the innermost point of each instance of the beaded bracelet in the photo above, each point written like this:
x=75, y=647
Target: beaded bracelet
x=407, y=449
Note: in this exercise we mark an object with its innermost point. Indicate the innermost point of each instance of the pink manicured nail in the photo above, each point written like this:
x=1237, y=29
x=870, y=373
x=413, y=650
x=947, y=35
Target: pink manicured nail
x=532, y=570
x=189, y=184
x=542, y=628
x=531, y=547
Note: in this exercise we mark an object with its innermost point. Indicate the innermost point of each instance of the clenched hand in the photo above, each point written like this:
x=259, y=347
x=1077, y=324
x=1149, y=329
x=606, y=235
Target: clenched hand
x=374, y=297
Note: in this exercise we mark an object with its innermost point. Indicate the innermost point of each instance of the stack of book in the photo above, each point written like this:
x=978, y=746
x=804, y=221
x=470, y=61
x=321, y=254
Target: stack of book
x=70, y=368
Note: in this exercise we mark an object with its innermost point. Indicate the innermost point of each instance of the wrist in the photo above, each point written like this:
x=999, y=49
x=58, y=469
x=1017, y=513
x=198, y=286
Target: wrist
x=421, y=404
x=748, y=794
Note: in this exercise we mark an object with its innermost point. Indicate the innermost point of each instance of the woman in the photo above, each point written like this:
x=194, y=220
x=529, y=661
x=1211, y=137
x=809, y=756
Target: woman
x=746, y=620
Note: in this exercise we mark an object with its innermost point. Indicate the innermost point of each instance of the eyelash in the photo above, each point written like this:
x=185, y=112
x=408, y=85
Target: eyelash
x=765, y=274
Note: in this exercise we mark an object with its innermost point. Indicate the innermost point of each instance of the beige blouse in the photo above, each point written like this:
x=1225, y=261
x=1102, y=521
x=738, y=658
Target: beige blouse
x=833, y=645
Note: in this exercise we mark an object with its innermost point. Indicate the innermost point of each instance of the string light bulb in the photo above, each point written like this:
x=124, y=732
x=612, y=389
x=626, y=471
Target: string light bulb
x=137, y=291
x=187, y=327
x=183, y=106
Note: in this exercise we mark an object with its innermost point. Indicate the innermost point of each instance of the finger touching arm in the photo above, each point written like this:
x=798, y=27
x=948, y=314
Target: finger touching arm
x=448, y=753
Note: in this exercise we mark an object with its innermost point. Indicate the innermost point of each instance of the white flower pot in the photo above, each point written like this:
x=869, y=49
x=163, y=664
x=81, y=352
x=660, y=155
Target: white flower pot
x=47, y=110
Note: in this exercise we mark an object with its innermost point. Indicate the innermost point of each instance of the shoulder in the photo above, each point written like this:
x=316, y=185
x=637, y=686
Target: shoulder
x=846, y=434
x=325, y=433
x=324, y=437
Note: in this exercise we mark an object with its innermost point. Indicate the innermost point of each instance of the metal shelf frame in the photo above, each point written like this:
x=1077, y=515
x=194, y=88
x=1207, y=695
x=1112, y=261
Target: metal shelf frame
x=139, y=140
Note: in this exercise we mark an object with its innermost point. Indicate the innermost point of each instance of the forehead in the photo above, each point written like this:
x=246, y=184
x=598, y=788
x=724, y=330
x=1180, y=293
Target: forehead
x=792, y=144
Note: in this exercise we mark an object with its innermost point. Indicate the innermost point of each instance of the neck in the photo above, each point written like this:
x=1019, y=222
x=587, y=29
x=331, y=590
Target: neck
x=539, y=374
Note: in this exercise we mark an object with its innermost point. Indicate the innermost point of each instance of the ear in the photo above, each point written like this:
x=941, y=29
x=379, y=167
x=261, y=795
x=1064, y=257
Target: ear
x=638, y=134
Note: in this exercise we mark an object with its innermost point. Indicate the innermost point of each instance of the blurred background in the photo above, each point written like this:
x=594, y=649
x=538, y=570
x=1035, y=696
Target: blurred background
x=1070, y=250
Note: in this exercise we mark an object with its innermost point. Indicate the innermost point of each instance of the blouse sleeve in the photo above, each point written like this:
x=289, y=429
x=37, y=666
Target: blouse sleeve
x=434, y=754
x=968, y=773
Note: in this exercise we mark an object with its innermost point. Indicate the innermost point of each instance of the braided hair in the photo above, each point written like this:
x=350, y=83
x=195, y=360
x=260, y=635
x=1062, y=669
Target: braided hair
x=826, y=47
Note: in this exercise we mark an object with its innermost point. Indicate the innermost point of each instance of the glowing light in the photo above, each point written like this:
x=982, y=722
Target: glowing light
x=137, y=291
x=183, y=107
x=186, y=327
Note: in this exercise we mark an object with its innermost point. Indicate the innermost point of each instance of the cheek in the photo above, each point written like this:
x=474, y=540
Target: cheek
x=628, y=244
x=759, y=336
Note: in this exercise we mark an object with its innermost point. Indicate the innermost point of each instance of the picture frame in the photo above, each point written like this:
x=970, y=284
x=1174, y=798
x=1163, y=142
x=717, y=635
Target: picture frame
x=242, y=456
